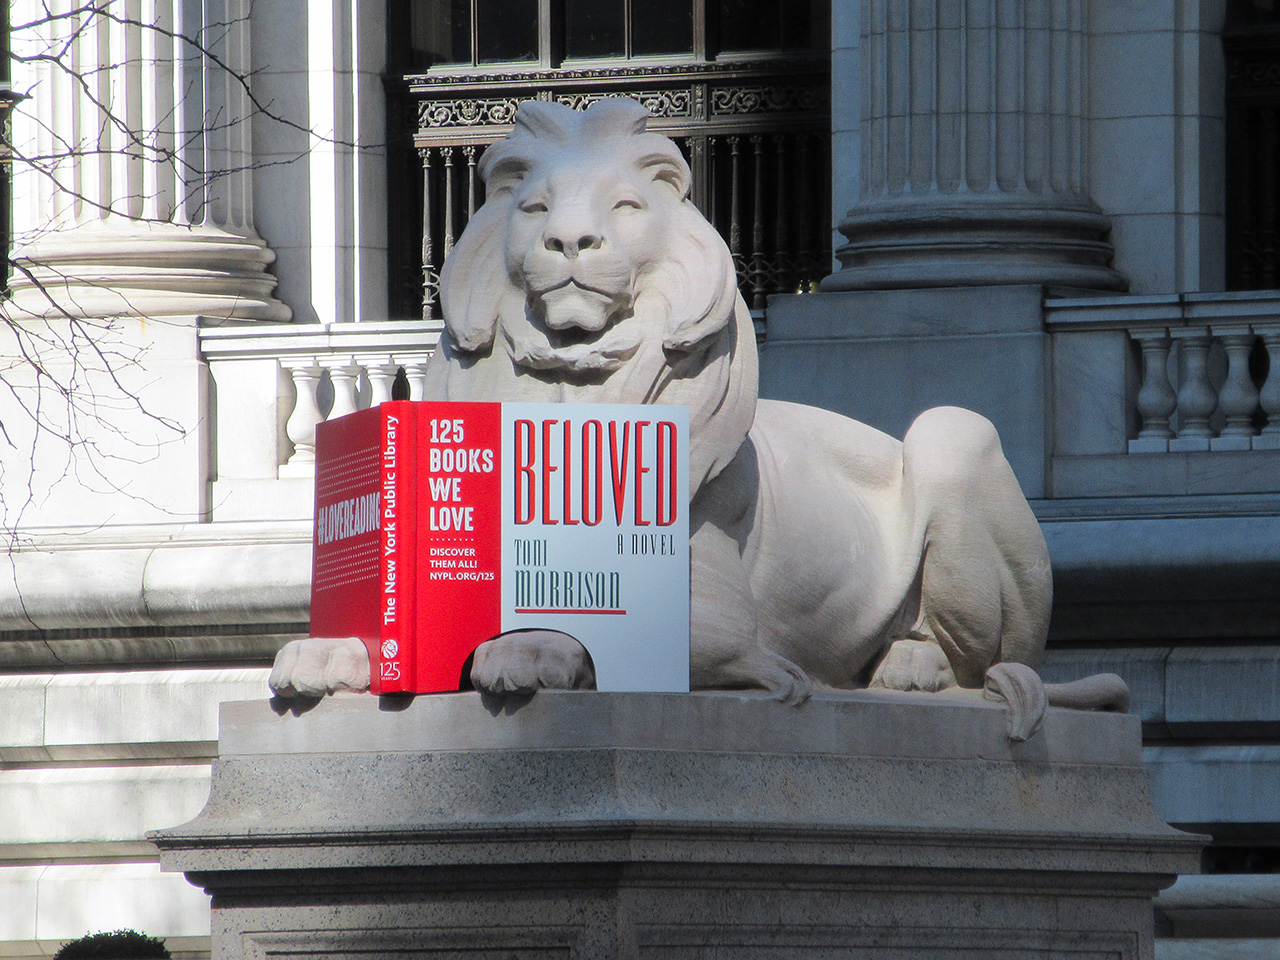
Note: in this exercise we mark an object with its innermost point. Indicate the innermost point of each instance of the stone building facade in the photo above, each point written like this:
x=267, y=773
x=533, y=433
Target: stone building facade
x=1034, y=220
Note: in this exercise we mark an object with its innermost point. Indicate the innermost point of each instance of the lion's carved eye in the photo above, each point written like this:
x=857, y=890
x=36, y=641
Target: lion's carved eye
x=629, y=203
x=534, y=206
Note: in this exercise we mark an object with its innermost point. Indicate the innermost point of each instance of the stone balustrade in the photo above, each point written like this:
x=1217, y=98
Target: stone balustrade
x=1151, y=397
x=273, y=385
x=1204, y=371
x=356, y=381
x=1192, y=395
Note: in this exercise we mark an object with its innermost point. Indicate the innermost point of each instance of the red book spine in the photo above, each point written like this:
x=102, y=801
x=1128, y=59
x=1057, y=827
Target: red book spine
x=397, y=629
x=347, y=543
x=408, y=538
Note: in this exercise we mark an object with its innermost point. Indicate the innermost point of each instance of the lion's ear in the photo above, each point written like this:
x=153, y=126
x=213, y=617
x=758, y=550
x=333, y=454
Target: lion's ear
x=694, y=289
x=668, y=167
x=474, y=280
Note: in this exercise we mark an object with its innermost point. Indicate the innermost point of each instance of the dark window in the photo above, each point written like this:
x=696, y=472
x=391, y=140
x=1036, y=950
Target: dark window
x=595, y=28
x=768, y=25
x=666, y=27
x=507, y=31
x=1251, y=44
x=627, y=28
x=433, y=33
x=445, y=32
x=439, y=32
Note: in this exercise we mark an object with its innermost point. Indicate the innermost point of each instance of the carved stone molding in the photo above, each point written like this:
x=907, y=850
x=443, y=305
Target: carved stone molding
x=421, y=83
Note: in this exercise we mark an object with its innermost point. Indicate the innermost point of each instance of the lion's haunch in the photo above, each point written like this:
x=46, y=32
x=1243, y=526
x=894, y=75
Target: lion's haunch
x=586, y=456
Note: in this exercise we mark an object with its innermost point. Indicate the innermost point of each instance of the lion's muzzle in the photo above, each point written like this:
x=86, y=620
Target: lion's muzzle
x=588, y=291
x=574, y=305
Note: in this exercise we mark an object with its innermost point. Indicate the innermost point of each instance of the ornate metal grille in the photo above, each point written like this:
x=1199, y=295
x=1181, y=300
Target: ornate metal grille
x=756, y=135
x=1252, y=48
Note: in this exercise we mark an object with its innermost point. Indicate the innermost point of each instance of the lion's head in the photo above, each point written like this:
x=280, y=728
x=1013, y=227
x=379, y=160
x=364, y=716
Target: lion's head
x=589, y=275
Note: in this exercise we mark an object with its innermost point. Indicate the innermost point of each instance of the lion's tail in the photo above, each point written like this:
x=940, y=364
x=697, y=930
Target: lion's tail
x=1029, y=697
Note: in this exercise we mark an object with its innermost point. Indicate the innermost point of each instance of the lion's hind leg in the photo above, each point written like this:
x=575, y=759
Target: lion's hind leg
x=986, y=589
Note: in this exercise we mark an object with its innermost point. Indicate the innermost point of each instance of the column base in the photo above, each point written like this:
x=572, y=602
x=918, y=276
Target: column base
x=144, y=270
x=912, y=244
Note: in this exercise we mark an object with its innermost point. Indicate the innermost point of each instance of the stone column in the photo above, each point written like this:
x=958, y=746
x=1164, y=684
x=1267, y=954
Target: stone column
x=133, y=162
x=973, y=141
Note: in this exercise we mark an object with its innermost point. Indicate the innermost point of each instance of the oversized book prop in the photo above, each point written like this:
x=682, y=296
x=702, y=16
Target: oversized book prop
x=440, y=525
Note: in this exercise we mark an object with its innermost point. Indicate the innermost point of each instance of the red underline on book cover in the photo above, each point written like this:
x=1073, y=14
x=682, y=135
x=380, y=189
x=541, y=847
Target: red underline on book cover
x=563, y=610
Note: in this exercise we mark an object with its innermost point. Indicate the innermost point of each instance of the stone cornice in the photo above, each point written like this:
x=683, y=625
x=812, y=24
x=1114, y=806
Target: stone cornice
x=656, y=72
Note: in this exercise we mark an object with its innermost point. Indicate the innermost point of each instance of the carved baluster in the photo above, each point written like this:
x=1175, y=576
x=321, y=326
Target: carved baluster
x=1267, y=202
x=469, y=152
x=1238, y=398
x=345, y=377
x=735, y=209
x=415, y=369
x=448, y=199
x=301, y=425
x=1156, y=399
x=712, y=206
x=700, y=188
x=758, y=272
x=428, y=268
x=1196, y=397
x=1269, y=395
x=805, y=229
x=381, y=372
x=783, y=279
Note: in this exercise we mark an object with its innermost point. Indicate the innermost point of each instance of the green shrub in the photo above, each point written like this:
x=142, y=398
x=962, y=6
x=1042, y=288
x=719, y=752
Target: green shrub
x=117, y=945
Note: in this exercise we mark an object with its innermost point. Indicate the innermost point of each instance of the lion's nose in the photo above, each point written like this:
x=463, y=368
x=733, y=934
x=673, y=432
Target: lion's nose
x=571, y=246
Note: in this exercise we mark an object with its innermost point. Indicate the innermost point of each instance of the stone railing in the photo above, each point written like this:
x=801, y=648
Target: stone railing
x=1151, y=397
x=1204, y=368
x=274, y=384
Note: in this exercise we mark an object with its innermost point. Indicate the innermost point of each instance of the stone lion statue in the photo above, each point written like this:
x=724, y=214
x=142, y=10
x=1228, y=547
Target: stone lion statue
x=823, y=552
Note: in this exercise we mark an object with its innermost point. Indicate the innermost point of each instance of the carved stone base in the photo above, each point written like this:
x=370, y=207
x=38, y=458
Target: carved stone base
x=124, y=268
x=601, y=826
x=904, y=245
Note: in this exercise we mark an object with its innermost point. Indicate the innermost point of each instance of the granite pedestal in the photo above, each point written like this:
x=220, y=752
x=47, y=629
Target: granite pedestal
x=601, y=826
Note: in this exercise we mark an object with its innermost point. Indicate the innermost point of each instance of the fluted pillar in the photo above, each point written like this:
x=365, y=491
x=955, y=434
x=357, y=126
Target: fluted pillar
x=973, y=149
x=133, y=161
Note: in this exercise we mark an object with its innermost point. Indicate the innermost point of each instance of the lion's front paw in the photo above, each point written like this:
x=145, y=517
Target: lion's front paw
x=320, y=665
x=914, y=665
x=525, y=661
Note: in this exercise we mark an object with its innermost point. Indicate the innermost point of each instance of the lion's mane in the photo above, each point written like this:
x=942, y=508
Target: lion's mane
x=687, y=337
